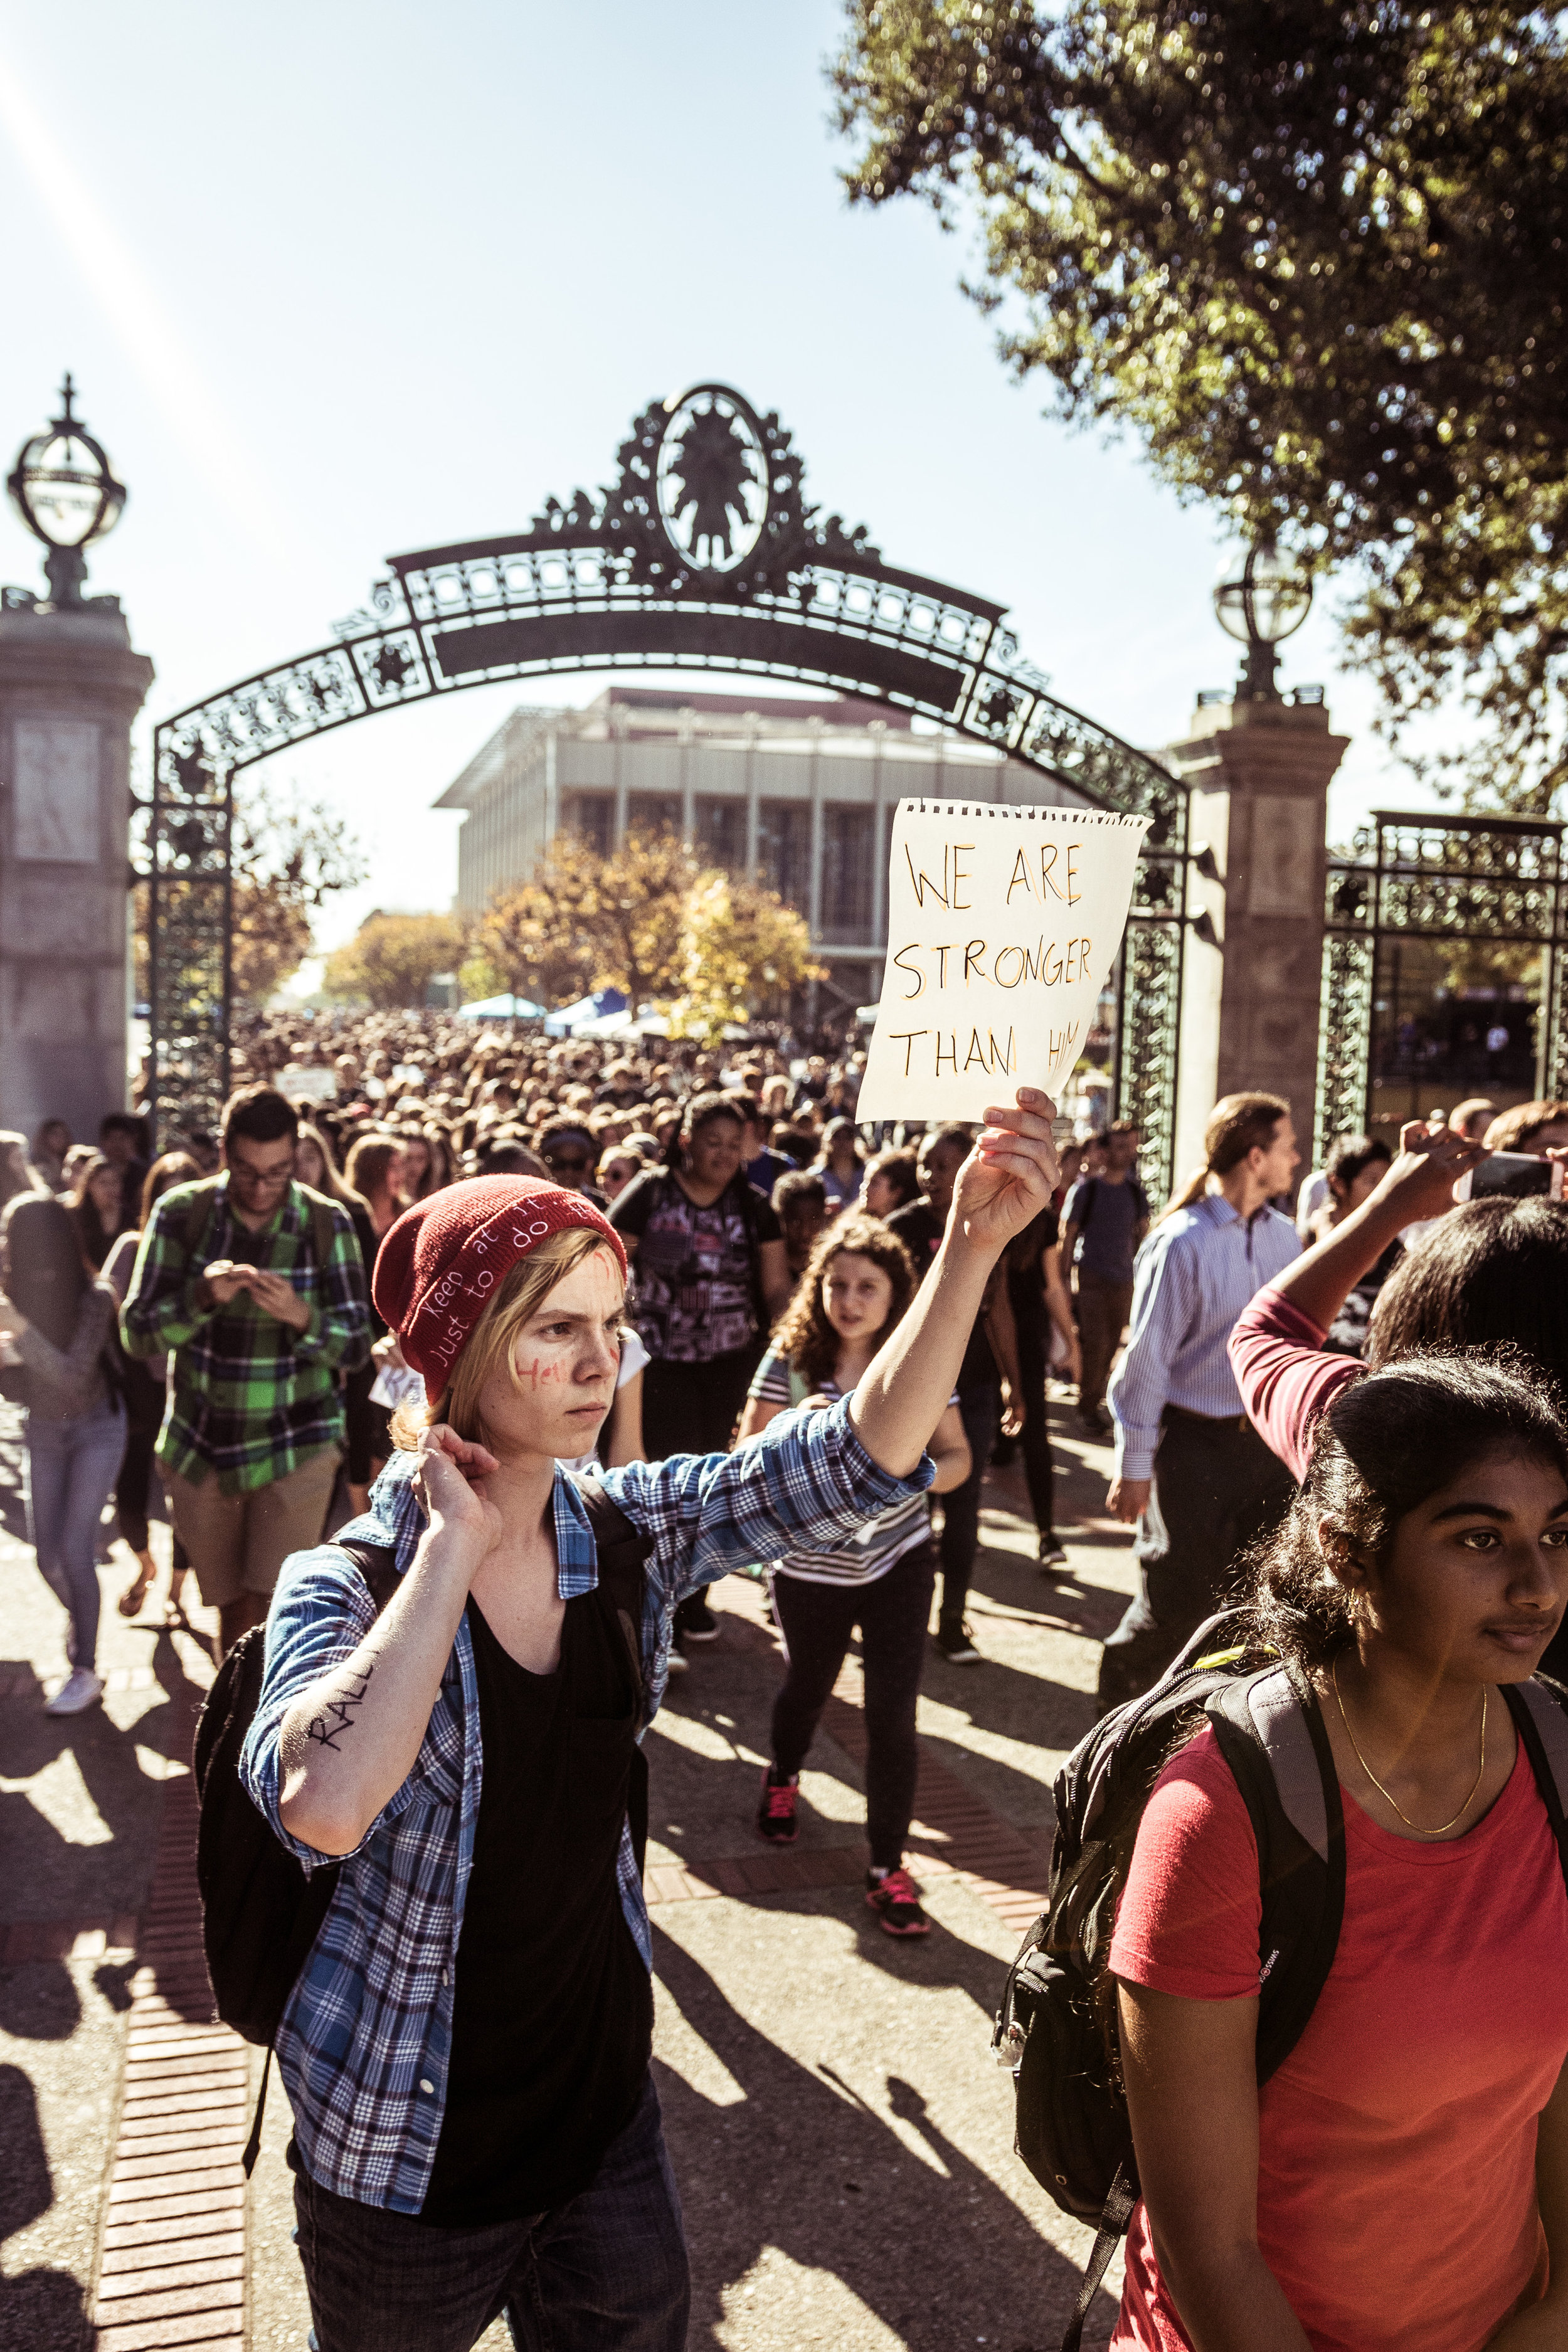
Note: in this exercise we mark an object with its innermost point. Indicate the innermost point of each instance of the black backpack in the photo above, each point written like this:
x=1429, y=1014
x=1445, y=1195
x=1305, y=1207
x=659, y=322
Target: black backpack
x=1056, y=2028
x=260, y=1912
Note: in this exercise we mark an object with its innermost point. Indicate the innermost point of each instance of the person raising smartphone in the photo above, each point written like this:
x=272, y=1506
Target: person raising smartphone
x=467, y=2046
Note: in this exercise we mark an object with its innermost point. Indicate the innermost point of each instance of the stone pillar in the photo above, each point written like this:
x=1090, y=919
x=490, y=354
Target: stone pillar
x=69, y=687
x=1259, y=773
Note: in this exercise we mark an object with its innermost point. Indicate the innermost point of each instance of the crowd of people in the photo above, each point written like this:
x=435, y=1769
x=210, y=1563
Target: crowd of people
x=563, y=1334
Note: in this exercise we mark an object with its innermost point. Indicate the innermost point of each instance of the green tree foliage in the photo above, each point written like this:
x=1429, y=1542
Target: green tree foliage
x=583, y=922
x=1313, y=259
x=392, y=958
x=744, y=952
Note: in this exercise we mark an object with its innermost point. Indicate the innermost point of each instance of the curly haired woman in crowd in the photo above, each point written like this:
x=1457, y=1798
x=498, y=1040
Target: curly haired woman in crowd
x=857, y=1287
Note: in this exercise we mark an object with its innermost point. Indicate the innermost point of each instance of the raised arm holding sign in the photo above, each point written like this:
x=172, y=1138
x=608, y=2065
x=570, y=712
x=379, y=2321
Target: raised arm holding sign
x=1003, y=924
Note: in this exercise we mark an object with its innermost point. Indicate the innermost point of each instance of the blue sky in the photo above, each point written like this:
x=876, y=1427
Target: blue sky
x=342, y=280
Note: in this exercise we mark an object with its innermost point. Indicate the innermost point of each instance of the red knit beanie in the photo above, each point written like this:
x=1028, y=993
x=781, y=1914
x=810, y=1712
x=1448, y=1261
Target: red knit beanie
x=445, y=1258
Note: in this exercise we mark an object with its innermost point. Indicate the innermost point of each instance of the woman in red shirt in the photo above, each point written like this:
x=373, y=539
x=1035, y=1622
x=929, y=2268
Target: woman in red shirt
x=1402, y=2180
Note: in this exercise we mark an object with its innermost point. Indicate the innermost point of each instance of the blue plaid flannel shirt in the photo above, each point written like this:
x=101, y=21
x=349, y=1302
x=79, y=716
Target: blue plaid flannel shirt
x=365, y=2041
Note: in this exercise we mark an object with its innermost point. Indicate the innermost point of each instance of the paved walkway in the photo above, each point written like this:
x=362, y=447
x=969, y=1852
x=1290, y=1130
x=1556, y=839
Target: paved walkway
x=842, y=2140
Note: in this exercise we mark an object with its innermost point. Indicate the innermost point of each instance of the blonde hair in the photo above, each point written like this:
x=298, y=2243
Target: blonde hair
x=489, y=1344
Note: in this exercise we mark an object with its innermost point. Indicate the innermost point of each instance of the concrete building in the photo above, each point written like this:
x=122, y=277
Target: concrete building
x=800, y=793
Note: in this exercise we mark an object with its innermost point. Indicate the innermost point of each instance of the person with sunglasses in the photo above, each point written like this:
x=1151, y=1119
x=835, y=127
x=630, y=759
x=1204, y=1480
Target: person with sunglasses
x=571, y=1153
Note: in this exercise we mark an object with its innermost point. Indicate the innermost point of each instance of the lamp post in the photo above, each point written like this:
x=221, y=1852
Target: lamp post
x=1261, y=601
x=64, y=488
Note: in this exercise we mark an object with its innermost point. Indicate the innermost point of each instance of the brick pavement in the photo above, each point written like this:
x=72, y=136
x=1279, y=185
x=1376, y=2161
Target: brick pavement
x=954, y=1831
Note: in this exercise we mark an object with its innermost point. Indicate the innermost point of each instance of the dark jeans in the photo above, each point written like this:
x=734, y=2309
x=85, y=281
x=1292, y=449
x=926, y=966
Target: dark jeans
x=981, y=1412
x=693, y=1408
x=144, y=1402
x=605, y=2273
x=1217, y=1489
x=816, y=1621
x=1034, y=1444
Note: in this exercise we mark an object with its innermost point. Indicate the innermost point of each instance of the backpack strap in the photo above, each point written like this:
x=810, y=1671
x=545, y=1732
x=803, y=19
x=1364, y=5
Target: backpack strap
x=1270, y=1729
x=622, y=1549
x=323, y=1225
x=1113, y=2221
x=1540, y=1718
x=198, y=1213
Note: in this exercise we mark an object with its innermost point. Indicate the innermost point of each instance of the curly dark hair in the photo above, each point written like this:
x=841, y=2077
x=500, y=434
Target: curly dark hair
x=803, y=1333
x=1385, y=1444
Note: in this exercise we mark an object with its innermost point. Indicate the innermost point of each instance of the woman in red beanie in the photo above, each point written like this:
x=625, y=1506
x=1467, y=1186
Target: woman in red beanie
x=467, y=2046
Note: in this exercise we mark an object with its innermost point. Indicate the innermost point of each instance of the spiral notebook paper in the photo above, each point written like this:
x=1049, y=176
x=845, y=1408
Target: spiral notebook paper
x=1003, y=926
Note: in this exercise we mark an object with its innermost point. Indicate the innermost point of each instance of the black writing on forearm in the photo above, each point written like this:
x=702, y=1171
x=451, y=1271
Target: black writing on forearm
x=337, y=1716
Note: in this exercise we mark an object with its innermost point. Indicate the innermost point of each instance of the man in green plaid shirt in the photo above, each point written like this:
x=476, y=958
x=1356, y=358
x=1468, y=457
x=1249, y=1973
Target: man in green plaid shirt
x=256, y=1291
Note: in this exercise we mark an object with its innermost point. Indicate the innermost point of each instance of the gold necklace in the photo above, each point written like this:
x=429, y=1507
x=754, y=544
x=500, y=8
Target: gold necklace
x=1377, y=1784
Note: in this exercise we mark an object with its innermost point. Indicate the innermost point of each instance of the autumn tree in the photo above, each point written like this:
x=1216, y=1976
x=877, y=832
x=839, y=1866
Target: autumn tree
x=583, y=921
x=392, y=958
x=743, y=951
x=1312, y=260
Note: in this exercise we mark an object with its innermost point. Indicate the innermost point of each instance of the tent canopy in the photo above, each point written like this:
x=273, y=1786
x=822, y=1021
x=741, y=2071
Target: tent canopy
x=500, y=1008
x=572, y=1018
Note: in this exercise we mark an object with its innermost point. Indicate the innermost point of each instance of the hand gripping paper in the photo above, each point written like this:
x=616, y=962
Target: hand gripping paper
x=1003, y=925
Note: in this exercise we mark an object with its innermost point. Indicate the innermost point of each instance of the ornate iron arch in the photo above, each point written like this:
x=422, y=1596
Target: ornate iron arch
x=702, y=554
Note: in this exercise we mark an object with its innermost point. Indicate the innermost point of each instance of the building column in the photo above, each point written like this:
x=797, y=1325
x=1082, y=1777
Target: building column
x=1259, y=773
x=754, y=799
x=617, y=731
x=70, y=688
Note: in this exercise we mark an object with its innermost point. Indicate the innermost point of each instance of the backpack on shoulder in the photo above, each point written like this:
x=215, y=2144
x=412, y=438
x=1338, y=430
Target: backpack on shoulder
x=1055, y=2029
x=261, y=1910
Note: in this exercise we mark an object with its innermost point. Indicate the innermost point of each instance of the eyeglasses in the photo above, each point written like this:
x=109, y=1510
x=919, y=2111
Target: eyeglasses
x=243, y=1172
x=568, y=1166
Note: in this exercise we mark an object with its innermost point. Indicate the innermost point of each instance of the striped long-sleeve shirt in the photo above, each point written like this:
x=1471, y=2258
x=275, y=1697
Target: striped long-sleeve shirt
x=365, y=2041
x=1195, y=1274
x=249, y=1398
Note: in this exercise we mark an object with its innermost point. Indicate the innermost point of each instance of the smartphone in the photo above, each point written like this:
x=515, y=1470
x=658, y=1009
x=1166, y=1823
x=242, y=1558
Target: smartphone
x=1519, y=1175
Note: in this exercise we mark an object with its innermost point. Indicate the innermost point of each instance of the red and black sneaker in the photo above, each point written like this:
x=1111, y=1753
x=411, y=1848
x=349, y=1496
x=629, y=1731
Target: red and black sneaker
x=775, y=1814
x=895, y=1899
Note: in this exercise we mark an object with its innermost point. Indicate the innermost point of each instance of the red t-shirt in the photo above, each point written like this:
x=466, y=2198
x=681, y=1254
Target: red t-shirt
x=1397, y=2144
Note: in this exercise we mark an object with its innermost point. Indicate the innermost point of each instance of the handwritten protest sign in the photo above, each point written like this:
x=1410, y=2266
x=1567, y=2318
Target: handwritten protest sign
x=1003, y=925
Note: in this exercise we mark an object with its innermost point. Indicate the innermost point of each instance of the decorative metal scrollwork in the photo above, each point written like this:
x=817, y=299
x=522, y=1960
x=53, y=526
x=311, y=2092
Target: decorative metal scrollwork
x=1148, y=1026
x=702, y=554
x=1495, y=883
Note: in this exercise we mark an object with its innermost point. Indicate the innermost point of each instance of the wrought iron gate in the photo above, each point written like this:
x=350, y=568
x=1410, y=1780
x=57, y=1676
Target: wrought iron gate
x=1444, y=893
x=702, y=554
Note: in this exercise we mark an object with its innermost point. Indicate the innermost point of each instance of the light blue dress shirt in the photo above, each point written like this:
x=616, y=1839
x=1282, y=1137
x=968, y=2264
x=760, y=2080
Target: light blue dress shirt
x=1195, y=1274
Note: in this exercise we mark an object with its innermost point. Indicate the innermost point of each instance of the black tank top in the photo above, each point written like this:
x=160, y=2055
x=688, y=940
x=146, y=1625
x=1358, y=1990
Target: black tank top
x=552, y=2008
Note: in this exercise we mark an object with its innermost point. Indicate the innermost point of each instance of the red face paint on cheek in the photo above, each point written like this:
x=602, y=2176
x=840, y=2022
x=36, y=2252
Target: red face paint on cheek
x=536, y=1373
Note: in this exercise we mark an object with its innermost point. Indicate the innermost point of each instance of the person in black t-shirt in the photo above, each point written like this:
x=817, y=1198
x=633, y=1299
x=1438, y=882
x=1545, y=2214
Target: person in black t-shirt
x=920, y=1227
x=709, y=1274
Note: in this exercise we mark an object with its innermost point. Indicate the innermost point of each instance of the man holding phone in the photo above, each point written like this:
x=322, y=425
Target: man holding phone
x=254, y=1289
